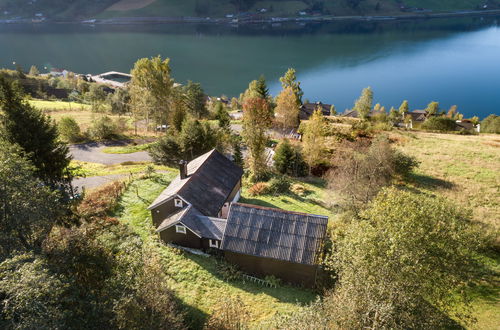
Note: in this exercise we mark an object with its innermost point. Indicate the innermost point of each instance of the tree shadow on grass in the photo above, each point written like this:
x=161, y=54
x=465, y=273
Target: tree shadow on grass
x=429, y=182
x=284, y=293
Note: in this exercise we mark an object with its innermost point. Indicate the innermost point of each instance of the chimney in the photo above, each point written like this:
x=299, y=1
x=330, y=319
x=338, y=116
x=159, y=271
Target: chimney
x=183, y=169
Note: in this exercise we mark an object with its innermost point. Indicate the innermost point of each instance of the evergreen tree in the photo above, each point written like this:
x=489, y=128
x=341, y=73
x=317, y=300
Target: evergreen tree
x=28, y=209
x=196, y=138
x=261, y=88
x=290, y=80
x=363, y=105
x=36, y=134
x=120, y=101
x=222, y=116
x=283, y=156
x=288, y=160
x=195, y=100
x=237, y=154
x=178, y=110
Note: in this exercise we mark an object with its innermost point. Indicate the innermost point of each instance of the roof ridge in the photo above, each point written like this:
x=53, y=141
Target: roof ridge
x=207, y=156
x=279, y=210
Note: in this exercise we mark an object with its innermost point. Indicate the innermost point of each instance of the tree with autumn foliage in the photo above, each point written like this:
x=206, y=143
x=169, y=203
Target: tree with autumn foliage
x=314, y=139
x=257, y=118
x=287, y=109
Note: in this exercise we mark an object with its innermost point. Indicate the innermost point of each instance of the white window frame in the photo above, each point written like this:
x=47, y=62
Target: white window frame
x=178, y=202
x=212, y=244
x=180, y=229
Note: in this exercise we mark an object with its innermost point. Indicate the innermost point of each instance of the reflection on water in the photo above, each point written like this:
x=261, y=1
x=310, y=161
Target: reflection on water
x=454, y=61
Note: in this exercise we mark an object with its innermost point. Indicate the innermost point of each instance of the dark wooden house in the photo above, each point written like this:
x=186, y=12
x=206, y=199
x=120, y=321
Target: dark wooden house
x=199, y=210
x=307, y=109
x=266, y=241
x=190, y=211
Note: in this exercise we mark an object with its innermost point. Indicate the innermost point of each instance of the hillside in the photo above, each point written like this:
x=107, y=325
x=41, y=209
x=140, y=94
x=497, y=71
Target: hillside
x=78, y=9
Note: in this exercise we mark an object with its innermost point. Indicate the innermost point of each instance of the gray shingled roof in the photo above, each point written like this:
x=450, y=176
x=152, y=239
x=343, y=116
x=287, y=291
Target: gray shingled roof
x=211, y=178
x=274, y=233
x=172, y=219
x=206, y=227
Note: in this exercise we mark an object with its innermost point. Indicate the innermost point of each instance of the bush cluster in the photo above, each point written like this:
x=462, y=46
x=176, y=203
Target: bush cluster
x=443, y=124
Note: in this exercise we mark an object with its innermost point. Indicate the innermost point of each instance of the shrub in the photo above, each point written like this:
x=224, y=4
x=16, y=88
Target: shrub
x=99, y=202
x=491, y=124
x=288, y=160
x=443, y=124
x=228, y=272
x=279, y=185
x=273, y=280
x=102, y=129
x=404, y=164
x=121, y=125
x=260, y=188
x=230, y=313
x=69, y=130
x=299, y=190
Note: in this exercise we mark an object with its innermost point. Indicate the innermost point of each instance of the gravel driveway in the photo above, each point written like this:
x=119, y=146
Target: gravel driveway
x=92, y=152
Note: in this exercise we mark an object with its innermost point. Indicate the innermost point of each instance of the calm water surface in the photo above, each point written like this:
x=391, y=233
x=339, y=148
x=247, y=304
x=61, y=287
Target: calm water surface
x=453, y=61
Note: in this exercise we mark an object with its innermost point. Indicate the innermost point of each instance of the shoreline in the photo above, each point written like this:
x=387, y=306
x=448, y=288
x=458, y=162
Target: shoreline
x=232, y=21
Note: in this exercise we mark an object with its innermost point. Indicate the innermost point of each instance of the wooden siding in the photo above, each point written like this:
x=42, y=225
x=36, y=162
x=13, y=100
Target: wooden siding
x=289, y=272
x=164, y=210
x=189, y=239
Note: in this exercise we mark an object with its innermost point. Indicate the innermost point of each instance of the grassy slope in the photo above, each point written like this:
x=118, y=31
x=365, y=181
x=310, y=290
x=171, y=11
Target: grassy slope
x=59, y=105
x=219, y=8
x=88, y=169
x=465, y=169
x=194, y=278
x=312, y=202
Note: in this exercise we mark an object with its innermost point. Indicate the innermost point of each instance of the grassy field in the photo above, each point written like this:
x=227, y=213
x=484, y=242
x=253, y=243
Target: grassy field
x=127, y=149
x=59, y=105
x=311, y=202
x=465, y=169
x=94, y=169
x=195, y=279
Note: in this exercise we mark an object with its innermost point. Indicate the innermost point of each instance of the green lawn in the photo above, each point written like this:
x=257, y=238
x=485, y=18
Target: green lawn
x=94, y=169
x=194, y=278
x=59, y=105
x=312, y=202
x=127, y=149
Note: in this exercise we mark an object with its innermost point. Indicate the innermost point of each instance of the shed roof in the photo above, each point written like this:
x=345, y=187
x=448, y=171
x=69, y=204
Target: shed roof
x=273, y=233
x=210, y=179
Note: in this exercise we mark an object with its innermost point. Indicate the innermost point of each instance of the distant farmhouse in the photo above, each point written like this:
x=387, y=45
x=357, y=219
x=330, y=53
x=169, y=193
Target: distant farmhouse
x=200, y=210
x=307, y=109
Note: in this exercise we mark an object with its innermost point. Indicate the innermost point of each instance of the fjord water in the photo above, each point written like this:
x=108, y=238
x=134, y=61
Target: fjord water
x=453, y=61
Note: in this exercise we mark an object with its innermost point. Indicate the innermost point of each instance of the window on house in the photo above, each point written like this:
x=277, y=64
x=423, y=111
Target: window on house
x=213, y=243
x=178, y=202
x=180, y=229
